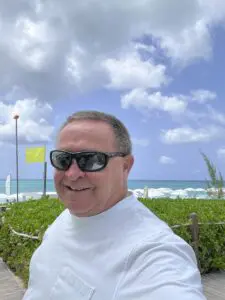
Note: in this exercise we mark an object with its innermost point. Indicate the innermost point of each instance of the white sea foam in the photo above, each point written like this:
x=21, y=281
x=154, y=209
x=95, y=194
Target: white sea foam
x=24, y=196
x=198, y=193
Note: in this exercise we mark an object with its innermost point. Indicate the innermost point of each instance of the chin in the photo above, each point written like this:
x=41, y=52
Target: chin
x=77, y=209
x=79, y=214
x=74, y=213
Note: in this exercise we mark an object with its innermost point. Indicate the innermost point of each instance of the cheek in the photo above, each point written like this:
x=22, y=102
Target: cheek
x=95, y=178
x=117, y=176
x=58, y=176
x=100, y=180
x=111, y=176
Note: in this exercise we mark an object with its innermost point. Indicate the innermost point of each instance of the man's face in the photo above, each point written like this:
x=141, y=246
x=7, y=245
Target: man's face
x=102, y=189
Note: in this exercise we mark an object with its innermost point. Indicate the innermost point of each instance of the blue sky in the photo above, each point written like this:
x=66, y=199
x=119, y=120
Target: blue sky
x=158, y=66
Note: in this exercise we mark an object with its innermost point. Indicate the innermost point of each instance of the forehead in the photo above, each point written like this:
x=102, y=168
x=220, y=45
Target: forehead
x=86, y=135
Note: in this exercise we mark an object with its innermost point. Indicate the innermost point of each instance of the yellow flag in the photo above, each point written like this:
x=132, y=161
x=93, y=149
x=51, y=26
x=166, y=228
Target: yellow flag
x=35, y=154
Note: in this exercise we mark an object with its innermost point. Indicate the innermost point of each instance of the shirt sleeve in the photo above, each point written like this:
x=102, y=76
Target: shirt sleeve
x=161, y=269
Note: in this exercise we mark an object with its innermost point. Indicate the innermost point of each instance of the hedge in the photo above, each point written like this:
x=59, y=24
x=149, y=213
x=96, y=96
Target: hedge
x=34, y=216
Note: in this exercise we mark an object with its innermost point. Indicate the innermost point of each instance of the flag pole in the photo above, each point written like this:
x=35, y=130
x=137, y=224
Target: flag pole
x=45, y=175
x=16, y=117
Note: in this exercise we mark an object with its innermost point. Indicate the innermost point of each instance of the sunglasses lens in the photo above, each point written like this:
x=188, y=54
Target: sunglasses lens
x=61, y=160
x=91, y=161
x=88, y=162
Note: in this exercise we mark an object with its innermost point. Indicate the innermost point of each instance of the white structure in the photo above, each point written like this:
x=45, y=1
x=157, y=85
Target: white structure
x=145, y=195
x=8, y=185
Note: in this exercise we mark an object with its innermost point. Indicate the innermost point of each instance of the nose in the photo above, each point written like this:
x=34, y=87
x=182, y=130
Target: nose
x=74, y=172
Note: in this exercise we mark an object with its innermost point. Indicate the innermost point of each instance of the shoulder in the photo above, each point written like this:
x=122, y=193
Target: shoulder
x=159, y=265
x=164, y=247
x=145, y=221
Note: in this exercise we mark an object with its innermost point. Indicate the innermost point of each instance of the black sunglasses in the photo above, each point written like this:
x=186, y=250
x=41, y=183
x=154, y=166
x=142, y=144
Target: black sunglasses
x=87, y=161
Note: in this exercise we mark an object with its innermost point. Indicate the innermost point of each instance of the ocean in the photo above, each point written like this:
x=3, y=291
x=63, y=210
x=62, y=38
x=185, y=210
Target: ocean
x=156, y=188
x=36, y=185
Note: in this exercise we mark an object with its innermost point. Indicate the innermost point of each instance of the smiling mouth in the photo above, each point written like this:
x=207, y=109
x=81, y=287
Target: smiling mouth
x=77, y=190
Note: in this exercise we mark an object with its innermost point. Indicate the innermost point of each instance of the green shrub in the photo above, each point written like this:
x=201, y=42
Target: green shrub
x=33, y=218
x=211, y=237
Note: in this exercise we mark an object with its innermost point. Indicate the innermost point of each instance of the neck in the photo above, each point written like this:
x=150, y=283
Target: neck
x=119, y=198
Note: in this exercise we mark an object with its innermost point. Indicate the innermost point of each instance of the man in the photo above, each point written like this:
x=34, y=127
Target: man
x=106, y=244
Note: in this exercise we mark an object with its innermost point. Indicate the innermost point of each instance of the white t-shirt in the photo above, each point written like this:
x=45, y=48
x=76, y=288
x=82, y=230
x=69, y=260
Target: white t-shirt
x=124, y=253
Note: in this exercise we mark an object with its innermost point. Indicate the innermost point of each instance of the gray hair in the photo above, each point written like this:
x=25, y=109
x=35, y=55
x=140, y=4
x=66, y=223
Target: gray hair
x=121, y=133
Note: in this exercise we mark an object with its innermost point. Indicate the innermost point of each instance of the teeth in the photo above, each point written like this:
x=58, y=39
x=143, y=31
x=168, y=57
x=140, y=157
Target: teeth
x=77, y=189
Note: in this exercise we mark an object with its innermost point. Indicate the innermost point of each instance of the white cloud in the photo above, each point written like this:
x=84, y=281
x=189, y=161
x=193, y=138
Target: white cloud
x=221, y=153
x=130, y=72
x=33, y=123
x=216, y=116
x=191, y=43
x=146, y=48
x=31, y=43
x=141, y=99
x=166, y=160
x=213, y=10
x=51, y=49
x=202, y=96
x=140, y=142
x=13, y=95
x=181, y=107
x=191, y=135
x=193, y=40
x=205, y=115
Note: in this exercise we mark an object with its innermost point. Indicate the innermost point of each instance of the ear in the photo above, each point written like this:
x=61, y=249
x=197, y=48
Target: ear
x=128, y=163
